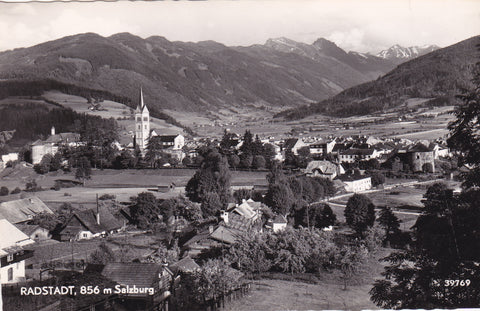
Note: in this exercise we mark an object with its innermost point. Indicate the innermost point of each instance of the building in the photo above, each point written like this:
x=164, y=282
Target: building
x=212, y=237
x=356, y=154
x=421, y=158
x=277, y=224
x=35, y=232
x=356, y=183
x=142, y=124
x=52, y=143
x=13, y=252
x=293, y=144
x=142, y=286
x=319, y=149
x=325, y=169
x=89, y=224
x=23, y=210
x=170, y=144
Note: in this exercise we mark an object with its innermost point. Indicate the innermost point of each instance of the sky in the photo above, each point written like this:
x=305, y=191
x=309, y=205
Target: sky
x=354, y=25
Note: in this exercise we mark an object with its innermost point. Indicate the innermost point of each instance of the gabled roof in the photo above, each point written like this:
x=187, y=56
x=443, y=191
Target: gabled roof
x=63, y=138
x=11, y=236
x=28, y=229
x=244, y=210
x=279, y=219
x=419, y=147
x=358, y=151
x=165, y=138
x=22, y=210
x=221, y=234
x=133, y=273
x=89, y=219
x=290, y=143
x=325, y=167
x=186, y=264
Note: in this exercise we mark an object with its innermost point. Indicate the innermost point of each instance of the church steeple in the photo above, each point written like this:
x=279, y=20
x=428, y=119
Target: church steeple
x=142, y=123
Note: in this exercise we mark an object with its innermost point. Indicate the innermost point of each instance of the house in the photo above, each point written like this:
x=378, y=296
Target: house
x=35, y=232
x=319, y=149
x=356, y=183
x=325, y=169
x=22, y=210
x=417, y=158
x=52, y=143
x=89, y=224
x=13, y=252
x=212, y=237
x=171, y=144
x=421, y=158
x=9, y=157
x=293, y=144
x=277, y=224
x=357, y=154
x=141, y=286
x=186, y=264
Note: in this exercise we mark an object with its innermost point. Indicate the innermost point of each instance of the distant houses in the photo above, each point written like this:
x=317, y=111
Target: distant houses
x=52, y=143
x=13, y=252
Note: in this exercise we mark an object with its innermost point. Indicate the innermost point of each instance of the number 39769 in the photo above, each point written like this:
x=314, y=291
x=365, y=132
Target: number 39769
x=455, y=283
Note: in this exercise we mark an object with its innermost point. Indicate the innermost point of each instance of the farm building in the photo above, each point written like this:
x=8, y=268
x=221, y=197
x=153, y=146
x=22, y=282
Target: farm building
x=23, y=210
x=88, y=224
x=13, y=252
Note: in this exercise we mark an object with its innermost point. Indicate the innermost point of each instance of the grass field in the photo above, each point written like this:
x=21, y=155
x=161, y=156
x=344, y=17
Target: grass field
x=326, y=294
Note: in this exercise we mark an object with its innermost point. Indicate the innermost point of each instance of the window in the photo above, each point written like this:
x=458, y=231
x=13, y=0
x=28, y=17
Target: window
x=9, y=257
x=85, y=235
x=139, y=127
x=10, y=274
x=139, y=118
x=145, y=126
x=145, y=118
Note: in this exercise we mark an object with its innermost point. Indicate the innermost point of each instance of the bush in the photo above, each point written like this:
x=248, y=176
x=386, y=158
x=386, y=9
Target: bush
x=16, y=190
x=3, y=191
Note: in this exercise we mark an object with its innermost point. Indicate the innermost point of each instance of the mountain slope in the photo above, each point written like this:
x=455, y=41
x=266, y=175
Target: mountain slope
x=191, y=76
x=439, y=76
x=399, y=54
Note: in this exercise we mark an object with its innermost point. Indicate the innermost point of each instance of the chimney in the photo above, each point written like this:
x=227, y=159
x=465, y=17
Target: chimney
x=224, y=216
x=52, y=131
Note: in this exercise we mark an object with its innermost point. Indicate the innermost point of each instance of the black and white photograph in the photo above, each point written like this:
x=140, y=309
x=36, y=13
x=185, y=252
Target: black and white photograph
x=231, y=155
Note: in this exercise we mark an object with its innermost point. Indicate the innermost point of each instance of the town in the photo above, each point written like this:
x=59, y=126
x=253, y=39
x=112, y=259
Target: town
x=198, y=221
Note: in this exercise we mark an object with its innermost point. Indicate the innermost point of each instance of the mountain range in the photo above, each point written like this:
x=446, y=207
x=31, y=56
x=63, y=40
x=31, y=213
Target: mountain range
x=437, y=77
x=201, y=76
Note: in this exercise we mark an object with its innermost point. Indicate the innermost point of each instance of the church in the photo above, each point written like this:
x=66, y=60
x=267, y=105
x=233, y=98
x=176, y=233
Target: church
x=171, y=144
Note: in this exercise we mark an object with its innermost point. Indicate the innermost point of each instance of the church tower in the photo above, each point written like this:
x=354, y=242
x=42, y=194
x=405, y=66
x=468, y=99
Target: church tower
x=142, y=124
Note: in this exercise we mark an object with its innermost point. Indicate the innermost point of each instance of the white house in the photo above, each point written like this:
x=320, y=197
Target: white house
x=52, y=143
x=325, y=169
x=13, y=253
x=356, y=184
x=277, y=224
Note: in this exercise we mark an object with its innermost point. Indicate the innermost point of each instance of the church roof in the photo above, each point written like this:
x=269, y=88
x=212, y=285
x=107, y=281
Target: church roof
x=141, y=107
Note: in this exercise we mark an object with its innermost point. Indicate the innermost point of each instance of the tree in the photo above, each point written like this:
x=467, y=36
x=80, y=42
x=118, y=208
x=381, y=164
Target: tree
x=102, y=255
x=359, y=213
x=280, y=198
x=229, y=140
x=246, y=160
x=247, y=143
x=377, y=178
x=258, y=162
x=211, y=204
x=389, y=222
x=145, y=210
x=44, y=166
x=234, y=161
x=213, y=176
x=84, y=170
x=349, y=259
x=316, y=215
x=45, y=220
